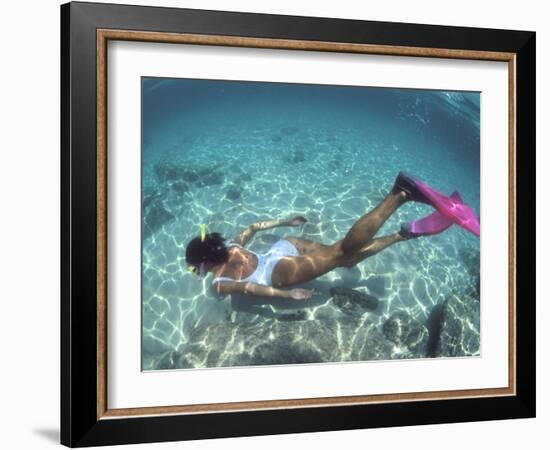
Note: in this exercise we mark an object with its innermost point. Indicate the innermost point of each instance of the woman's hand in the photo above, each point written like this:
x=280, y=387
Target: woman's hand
x=300, y=294
x=296, y=221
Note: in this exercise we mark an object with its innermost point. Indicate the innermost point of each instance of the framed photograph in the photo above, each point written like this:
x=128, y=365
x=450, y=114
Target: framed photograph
x=278, y=224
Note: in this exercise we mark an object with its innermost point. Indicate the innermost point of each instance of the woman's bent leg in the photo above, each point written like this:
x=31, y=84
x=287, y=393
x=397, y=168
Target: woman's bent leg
x=363, y=231
x=375, y=246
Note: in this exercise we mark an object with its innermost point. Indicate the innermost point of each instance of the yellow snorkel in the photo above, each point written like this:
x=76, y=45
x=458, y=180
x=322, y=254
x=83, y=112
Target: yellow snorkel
x=194, y=269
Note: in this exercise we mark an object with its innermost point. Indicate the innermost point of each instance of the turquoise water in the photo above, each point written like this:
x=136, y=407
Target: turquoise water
x=229, y=154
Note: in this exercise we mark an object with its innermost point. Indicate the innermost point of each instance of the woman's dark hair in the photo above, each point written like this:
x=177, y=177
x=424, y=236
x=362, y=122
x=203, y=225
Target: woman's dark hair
x=212, y=250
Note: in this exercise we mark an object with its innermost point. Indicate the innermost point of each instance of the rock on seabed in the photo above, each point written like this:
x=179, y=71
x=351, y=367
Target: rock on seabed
x=454, y=327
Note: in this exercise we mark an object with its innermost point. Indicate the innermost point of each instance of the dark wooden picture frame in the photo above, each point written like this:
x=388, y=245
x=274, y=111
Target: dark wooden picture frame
x=85, y=417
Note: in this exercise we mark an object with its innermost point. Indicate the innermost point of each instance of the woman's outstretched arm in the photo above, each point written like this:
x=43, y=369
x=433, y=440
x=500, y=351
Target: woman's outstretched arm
x=233, y=287
x=244, y=237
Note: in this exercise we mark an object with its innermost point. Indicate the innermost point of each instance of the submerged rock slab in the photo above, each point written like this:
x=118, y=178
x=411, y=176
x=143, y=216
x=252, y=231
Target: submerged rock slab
x=405, y=331
x=233, y=193
x=155, y=215
x=470, y=256
x=294, y=156
x=377, y=284
x=289, y=131
x=275, y=342
x=167, y=172
x=454, y=327
x=351, y=301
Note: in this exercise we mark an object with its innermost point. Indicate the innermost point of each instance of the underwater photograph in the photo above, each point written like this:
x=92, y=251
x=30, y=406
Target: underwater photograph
x=288, y=223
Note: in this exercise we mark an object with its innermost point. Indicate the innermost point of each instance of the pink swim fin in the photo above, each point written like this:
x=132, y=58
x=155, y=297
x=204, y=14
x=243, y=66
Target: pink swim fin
x=453, y=209
x=433, y=224
x=457, y=212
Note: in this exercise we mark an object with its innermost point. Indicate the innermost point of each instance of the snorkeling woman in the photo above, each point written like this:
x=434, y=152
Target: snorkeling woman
x=292, y=260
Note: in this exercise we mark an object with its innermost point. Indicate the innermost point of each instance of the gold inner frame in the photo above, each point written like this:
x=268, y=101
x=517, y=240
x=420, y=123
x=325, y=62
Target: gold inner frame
x=103, y=36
